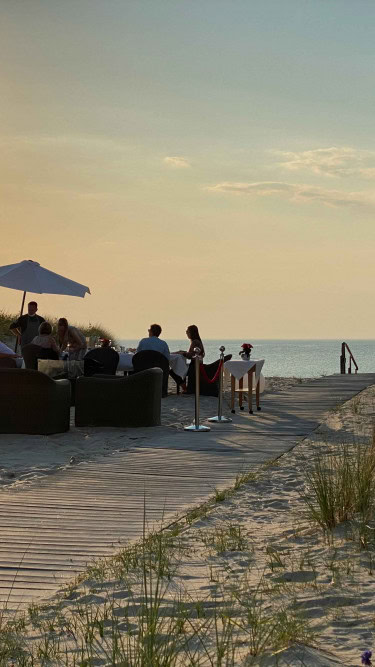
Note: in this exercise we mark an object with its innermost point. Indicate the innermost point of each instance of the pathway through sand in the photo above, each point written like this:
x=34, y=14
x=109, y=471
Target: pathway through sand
x=52, y=526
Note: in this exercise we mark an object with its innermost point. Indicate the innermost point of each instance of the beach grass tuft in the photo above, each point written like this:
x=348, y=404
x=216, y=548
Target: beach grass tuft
x=340, y=486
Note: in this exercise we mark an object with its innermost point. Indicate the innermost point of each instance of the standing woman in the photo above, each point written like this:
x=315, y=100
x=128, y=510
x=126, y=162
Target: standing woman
x=195, y=341
x=72, y=337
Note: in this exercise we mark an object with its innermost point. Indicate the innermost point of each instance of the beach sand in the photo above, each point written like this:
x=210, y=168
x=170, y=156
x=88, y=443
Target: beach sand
x=257, y=549
x=25, y=458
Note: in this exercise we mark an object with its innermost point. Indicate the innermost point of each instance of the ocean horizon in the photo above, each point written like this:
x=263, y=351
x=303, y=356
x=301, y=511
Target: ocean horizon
x=287, y=357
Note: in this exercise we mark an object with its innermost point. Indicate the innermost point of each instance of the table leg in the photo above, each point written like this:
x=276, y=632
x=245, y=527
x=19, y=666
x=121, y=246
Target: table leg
x=250, y=392
x=240, y=384
x=232, y=392
x=257, y=395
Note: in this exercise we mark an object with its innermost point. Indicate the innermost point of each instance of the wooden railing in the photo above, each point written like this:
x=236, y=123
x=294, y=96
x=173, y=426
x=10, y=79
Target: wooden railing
x=344, y=347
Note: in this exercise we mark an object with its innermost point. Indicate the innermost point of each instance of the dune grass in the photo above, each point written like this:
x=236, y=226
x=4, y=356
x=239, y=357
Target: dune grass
x=152, y=624
x=340, y=487
x=90, y=330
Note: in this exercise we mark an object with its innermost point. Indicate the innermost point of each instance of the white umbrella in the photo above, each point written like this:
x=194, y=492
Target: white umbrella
x=29, y=276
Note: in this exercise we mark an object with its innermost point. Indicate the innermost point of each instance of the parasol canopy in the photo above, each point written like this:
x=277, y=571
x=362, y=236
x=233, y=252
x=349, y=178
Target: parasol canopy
x=29, y=276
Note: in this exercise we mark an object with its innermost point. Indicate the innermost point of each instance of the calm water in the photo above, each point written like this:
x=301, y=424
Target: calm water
x=301, y=358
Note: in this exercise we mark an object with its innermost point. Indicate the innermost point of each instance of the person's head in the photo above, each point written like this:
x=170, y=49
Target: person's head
x=62, y=325
x=45, y=329
x=32, y=307
x=154, y=330
x=192, y=332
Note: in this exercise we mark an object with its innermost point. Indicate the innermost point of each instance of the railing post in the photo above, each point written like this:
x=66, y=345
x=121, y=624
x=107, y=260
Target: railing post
x=219, y=418
x=342, y=360
x=196, y=426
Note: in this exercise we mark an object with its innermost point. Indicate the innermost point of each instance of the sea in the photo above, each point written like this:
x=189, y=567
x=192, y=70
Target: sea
x=288, y=358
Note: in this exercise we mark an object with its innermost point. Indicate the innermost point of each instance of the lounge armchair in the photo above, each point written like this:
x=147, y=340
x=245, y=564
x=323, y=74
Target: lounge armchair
x=119, y=401
x=31, y=402
x=205, y=388
x=152, y=359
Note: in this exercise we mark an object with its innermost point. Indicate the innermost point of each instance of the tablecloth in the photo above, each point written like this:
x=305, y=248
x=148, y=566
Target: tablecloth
x=241, y=367
x=177, y=363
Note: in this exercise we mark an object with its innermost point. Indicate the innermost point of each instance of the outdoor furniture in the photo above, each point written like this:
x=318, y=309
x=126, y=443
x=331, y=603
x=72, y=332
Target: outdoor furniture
x=120, y=401
x=205, y=388
x=106, y=361
x=31, y=353
x=7, y=362
x=152, y=359
x=31, y=402
x=59, y=368
x=66, y=369
x=238, y=369
x=177, y=363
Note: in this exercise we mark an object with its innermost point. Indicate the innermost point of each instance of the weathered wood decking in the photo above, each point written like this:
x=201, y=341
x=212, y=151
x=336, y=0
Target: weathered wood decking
x=50, y=530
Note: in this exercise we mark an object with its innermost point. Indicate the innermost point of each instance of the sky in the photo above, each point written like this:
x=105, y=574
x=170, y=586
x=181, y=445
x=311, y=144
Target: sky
x=208, y=162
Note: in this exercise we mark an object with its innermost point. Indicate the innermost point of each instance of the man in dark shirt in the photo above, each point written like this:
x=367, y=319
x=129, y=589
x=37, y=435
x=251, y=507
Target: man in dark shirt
x=27, y=326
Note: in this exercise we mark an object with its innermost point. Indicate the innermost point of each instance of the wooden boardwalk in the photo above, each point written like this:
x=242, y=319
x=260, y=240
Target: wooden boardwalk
x=52, y=529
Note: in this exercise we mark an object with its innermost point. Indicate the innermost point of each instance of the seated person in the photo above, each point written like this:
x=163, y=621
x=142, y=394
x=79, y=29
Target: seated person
x=45, y=338
x=7, y=353
x=195, y=341
x=72, y=339
x=153, y=342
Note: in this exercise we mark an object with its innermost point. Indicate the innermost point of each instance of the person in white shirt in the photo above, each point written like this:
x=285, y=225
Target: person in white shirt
x=7, y=353
x=153, y=342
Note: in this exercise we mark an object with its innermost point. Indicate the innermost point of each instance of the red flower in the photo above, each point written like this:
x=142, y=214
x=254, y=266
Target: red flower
x=246, y=346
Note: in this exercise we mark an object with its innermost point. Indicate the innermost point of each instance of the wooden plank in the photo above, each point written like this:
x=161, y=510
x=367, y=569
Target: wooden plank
x=53, y=528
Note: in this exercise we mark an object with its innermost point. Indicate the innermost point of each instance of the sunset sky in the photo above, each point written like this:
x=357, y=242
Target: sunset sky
x=207, y=162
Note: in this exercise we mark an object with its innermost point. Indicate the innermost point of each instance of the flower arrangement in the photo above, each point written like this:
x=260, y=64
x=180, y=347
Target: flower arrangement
x=246, y=350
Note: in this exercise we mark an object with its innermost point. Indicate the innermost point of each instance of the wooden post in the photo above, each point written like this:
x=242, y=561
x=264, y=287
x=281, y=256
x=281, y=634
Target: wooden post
x=22, y=305
x=257, y=395
x=240, y=385
x=250, y=392
x=232, y=392
x=342, y=360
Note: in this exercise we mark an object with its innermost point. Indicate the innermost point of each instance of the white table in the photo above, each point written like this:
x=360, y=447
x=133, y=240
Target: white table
x=177, y=363
x=238, y=369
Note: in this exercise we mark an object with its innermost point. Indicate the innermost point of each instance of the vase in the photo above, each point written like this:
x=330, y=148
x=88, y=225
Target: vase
x=245, y=356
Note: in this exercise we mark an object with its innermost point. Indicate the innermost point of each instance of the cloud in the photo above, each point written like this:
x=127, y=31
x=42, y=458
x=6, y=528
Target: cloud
x=177, y=162
x=295, y=192
x=334, y=162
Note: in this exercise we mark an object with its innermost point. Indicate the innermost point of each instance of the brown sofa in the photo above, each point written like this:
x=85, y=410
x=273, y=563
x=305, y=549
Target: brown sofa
x=119, y=401
x=31, y=402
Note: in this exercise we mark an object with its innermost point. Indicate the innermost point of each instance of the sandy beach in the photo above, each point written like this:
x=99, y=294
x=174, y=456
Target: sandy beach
x=253, y=559
x=23, y=459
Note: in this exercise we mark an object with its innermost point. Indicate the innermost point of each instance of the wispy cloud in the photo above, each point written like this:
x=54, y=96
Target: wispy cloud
x=295, y=192
x=177, y=162
x=334, y=161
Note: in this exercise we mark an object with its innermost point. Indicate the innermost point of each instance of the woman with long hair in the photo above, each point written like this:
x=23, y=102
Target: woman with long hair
x=71, y=338
x=193, y=335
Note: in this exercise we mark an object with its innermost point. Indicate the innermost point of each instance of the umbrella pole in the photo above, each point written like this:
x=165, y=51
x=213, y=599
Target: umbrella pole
x=22, y=305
